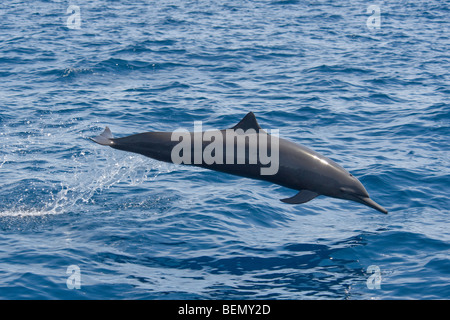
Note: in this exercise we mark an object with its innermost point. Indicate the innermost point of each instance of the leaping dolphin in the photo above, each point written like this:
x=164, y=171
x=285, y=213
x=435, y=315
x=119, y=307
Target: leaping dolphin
x=297, y=167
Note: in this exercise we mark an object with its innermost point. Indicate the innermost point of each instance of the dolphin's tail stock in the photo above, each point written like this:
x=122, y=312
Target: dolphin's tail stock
x=105, y=138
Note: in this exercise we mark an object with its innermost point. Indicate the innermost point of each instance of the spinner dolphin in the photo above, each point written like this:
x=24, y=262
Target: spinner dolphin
x=249, y=151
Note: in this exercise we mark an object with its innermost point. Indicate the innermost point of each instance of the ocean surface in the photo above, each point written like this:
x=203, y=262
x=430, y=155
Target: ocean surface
x=366, y=87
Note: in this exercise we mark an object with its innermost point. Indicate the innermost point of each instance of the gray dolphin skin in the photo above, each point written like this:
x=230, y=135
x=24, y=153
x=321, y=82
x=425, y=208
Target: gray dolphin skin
x=297, y=167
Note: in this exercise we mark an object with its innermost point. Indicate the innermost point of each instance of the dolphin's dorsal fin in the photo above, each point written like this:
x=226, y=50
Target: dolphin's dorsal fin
x=248, y=122
x=301, y=197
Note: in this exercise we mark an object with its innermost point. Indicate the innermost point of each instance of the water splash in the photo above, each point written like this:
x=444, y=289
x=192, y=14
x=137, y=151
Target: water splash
x=93, y=176
x=85, y=176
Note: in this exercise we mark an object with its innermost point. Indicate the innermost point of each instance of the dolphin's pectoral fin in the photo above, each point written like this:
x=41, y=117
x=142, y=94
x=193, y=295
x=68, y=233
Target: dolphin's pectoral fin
x=248, y=122
x=301, y=197
x=104, y=138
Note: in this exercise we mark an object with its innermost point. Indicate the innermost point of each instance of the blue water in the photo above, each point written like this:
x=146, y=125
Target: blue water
x=375, y=101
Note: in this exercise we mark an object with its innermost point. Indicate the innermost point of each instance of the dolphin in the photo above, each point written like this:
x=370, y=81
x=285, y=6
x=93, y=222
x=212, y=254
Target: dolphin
x=297, y=167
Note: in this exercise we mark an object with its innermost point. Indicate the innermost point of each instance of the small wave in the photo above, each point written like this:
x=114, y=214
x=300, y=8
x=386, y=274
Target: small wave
x=106, y=66
x=67, y=73
x=121, y=64
x=382, y=98
x=284, y=2
x=337, y=69
x=24, y=213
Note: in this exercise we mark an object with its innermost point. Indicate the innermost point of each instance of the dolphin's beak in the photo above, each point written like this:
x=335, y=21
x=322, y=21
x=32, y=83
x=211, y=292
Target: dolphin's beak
x=370, y=203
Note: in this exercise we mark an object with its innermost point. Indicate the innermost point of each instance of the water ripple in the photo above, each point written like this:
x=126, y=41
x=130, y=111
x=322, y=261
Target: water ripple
x=375, y=101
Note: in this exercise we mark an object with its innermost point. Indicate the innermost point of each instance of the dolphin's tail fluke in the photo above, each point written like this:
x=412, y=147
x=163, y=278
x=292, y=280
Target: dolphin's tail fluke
x=105, y=138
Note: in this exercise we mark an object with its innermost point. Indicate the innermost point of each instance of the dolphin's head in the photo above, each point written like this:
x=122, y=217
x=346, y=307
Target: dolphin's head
x=328, y=178
x=352, y=189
